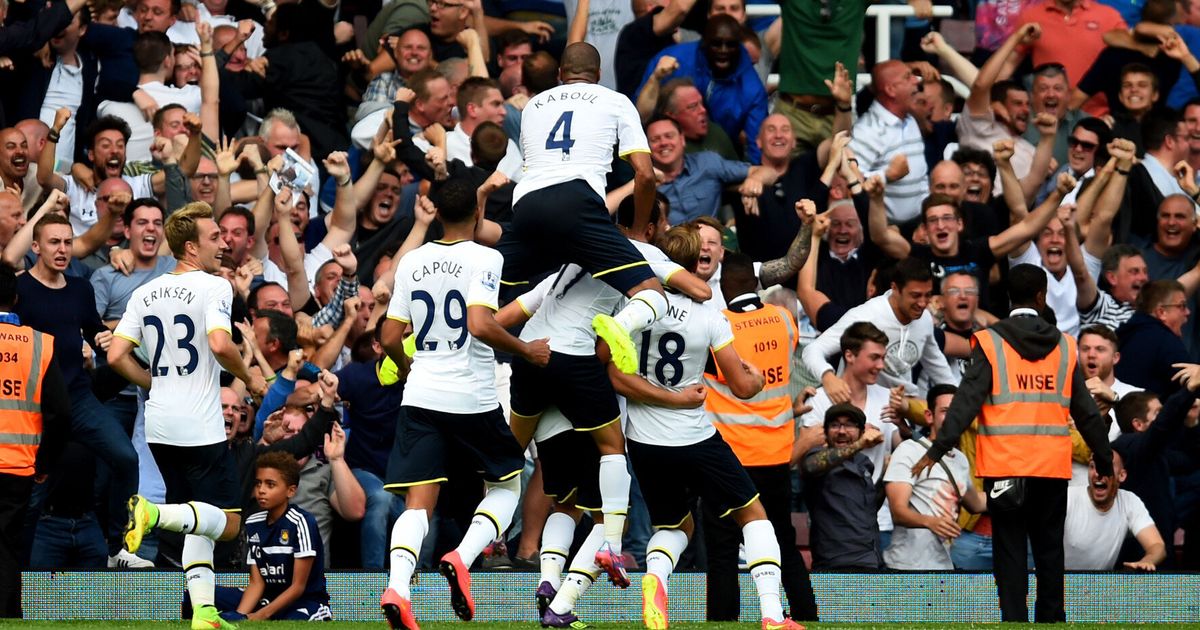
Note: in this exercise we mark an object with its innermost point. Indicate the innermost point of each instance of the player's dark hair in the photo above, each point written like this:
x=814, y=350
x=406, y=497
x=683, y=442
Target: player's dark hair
x=580, y=59
x=626, y=209
x=150, y=49
x=455, y=200
x=141, y=202
x=106, y=123
x=489, y=144
x=737, y=275
x=281, y=328
x=1134, y=405
x=1025, y=282
x=539, y=72
x=934, y=392
x=858, y=334
x=283, y=462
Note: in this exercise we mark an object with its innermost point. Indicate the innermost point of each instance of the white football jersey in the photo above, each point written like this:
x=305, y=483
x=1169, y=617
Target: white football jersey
x=564, y=304
x=171, y=317
x=672, y=354
x=568, y=132
x=435, y=284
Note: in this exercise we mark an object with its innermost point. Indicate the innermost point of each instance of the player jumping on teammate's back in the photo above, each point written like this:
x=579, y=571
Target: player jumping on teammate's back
x=567, y=137
x=447, y=291
x=674, y=451
x=184, y=425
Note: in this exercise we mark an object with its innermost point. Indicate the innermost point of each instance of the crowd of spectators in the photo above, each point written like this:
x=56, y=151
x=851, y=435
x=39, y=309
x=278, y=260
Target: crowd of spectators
x=1059, y=133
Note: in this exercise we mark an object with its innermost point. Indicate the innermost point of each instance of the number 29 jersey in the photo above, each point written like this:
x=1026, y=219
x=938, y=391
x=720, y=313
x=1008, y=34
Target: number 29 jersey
x=170, y=317
x=452, y=372
x=672, y=354
x=568, y=132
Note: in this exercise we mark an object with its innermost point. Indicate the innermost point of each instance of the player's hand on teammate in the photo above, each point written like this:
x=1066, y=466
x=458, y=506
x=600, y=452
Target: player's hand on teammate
x=537, y=352
x=692, y=396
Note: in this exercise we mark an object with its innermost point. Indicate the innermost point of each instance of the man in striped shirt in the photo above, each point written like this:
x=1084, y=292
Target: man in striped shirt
x=887, y=141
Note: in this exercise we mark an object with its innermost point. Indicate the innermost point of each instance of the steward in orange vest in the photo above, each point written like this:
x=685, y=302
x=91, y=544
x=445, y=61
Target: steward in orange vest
x=1025, y=386
x=35, y=415
x=761, y=431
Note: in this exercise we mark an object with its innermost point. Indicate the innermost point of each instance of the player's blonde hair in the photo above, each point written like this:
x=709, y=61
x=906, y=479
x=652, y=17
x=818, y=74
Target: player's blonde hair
x=682, y=245
x=180, y=227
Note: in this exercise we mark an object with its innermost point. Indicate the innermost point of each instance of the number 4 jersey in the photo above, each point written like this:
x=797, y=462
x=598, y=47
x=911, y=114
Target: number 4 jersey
x=452, y=372
x=568, y=132
x=170, y=317
x=672, y=354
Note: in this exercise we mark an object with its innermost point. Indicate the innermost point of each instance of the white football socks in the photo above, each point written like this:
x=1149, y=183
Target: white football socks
x=614, y=498
x=407, y=535
x=491, y=520
x=583, y=573
x=643, y=309
x=198, y=569
x=663, y=551
x=194, y=517
x=762, y=552
x=557, y=535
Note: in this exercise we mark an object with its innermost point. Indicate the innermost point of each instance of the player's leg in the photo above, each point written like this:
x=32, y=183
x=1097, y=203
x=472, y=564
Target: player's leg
x=416, y=468
x=731, y=492
x=664, y=474
x=600, y=248
x=528, y=397
x=488, y=441
x=569, y=462
x=581, y=574
x=586, y=397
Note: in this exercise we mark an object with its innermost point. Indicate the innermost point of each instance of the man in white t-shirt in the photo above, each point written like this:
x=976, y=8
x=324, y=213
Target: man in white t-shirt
x=106, y=139
x=925, y=509
x=1097, y=356
x=182, y=318
x=1049, y=252
x=1100, y=516
x=864, y=347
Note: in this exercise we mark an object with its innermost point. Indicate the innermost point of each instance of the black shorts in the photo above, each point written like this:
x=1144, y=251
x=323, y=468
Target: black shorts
x=569, y=223
x=571, y=469
x=667, y=475
x=427, y=440
x=206, y=474
x=578, y=386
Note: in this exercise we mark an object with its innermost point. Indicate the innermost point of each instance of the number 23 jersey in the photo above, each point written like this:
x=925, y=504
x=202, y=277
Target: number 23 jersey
x=672, y=354
x=170, y=318
x=452, y=371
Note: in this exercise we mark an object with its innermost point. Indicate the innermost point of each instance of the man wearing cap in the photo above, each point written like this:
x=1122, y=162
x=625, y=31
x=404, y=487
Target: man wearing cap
x=1025, y=386
x=841, y=496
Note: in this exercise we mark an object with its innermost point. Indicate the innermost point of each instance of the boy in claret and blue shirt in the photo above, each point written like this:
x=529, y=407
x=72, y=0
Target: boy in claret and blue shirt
x=284, y=552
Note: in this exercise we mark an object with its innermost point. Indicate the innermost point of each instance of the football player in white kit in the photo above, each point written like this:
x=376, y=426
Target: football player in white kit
x=676, y=452
x=448, y=292
x=182, y=320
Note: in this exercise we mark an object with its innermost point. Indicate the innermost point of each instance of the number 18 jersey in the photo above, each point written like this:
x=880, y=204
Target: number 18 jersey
x=170, y=317
x=568, y=132
x=672, y=354
x=452, y=372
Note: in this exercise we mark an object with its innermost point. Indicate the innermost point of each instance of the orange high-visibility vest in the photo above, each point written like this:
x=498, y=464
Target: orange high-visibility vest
x=24, y=356
x=1023, y=424
x=760, y=430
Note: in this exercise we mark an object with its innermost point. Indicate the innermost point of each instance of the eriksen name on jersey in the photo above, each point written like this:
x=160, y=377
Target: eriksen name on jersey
x=179, y=293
